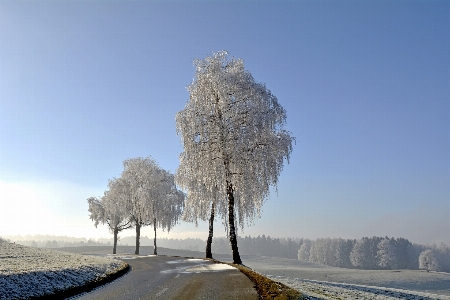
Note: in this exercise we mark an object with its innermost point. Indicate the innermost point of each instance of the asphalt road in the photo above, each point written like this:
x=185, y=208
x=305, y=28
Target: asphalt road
x=166, y=277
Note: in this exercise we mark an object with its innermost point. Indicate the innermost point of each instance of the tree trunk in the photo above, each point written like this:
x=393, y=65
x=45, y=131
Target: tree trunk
x=155, y=252
x=210, y=236
x=138, y=236
x=116, y=232
x=233, y=239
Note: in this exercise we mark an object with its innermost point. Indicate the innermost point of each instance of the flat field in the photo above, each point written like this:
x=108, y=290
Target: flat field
x=27, y=272
x=318, y=281
x=294, y=273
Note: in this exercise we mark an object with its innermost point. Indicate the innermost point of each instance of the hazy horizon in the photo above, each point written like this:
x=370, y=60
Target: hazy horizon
x=85, y=85
x=147, y=240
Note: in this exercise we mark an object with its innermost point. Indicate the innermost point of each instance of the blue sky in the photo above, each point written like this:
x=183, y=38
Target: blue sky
x=85, y=85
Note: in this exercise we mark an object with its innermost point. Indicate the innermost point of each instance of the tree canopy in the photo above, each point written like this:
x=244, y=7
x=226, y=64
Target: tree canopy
x=144, y=194
x=232, y=131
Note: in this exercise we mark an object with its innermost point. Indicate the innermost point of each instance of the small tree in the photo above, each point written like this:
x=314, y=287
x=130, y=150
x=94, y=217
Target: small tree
x=166, y=204
x=111, y=209
x=232, y=131
x=151, y=196
x=428, y=261
x=138, y=181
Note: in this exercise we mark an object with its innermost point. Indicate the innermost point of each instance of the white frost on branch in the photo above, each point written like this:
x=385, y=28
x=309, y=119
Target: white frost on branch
x=110, y=208
x=232, y=131
x=150, y=193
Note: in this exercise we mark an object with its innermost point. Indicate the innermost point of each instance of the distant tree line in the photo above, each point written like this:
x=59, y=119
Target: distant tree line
x=261, y=245
x=375, y=253
x=60, y=243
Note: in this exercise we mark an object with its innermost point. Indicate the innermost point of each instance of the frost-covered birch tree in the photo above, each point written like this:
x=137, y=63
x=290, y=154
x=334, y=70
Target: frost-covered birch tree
x=166, y=204
x=428, y=261
x=232, y=131
x=111, y=210
x=151, y=196
x=139, y=183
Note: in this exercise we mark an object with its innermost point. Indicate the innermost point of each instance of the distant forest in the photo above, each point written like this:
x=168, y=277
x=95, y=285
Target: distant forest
x=375, y=253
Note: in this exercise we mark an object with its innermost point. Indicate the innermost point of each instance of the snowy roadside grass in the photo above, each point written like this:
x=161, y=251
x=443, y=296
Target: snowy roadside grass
x=28, y=273
x=332, y=290
x=323, y=282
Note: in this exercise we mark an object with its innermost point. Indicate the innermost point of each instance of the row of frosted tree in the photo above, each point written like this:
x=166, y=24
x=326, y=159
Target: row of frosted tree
x=144, y=194
x=234, y=146
x=375, y=253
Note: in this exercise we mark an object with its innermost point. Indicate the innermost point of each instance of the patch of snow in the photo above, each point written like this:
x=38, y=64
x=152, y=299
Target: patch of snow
x=435, y=285
x=27, y=272
x=210, y=267
x=201, y=265
x=129, y=256
x=184, y=261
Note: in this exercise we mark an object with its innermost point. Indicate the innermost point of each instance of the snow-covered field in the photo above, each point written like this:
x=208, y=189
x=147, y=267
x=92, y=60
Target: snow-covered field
x=333, y=290
x=316, y=281
x=323, y=282
x=34, y=272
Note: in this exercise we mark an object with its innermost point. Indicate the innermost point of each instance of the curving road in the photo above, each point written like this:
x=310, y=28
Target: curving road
x=166, y=277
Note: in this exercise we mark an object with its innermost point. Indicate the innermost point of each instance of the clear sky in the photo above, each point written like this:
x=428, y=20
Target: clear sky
x=85, y=85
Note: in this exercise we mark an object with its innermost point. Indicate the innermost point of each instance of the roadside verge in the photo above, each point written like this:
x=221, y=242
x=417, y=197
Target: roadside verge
x=266, y=287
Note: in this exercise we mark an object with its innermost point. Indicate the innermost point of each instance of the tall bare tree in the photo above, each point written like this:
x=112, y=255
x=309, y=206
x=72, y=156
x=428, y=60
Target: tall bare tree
x=232, y=131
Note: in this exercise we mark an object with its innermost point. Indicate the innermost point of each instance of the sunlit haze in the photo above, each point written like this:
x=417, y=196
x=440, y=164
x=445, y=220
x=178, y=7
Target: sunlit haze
x=85, y=85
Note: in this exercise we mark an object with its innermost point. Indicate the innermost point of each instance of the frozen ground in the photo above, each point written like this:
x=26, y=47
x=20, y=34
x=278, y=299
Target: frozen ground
x=34, y=272
x=324, y=282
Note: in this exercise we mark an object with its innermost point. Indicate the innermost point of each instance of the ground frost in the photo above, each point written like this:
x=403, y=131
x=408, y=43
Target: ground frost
x=331, y=291
x=27, y=272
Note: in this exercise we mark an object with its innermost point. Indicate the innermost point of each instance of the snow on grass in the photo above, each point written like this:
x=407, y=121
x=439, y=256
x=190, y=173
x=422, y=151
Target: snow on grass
x=332, y=290
x=27, y=272
x=323, y=282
